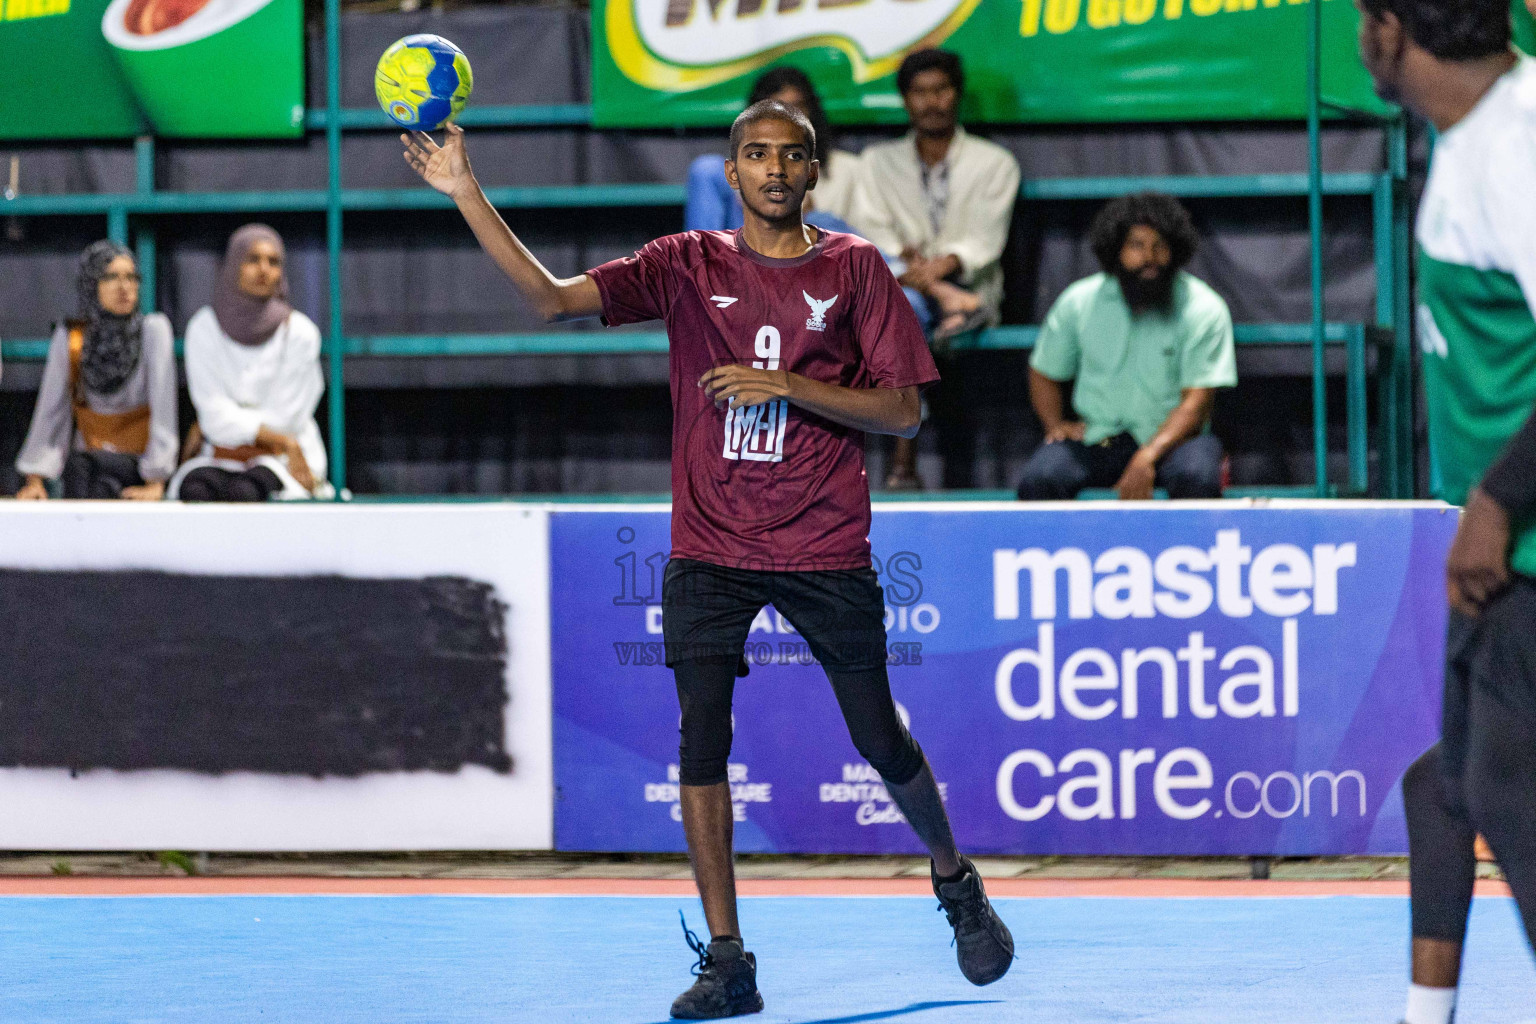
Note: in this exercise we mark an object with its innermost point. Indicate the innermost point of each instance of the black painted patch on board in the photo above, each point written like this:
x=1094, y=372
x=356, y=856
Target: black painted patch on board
x=300, y=675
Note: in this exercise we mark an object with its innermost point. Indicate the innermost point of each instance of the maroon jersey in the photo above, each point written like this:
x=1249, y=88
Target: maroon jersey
x=773, y=486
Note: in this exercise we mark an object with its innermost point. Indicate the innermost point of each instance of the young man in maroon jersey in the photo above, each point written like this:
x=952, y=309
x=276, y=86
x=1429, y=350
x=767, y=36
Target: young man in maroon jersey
x=788, y=344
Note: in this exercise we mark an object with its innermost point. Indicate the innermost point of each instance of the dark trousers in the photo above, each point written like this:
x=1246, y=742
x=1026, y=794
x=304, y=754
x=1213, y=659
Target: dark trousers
x=100, y=474
x=210, y=483
x=1057, y=472
x=1481, y=776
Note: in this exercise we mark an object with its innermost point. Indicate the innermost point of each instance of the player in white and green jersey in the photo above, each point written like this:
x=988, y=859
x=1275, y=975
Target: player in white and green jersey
x=1451, y=62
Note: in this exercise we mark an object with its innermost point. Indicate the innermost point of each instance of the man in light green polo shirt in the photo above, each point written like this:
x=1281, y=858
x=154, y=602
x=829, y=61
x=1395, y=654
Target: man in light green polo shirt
x=1148, y=345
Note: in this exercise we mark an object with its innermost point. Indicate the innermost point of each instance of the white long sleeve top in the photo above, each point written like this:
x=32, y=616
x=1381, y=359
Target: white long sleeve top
x=237, y=389
x=52, y=435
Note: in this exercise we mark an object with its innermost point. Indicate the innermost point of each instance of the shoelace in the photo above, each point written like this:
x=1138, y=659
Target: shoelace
x=972, y=908
x=701, y=949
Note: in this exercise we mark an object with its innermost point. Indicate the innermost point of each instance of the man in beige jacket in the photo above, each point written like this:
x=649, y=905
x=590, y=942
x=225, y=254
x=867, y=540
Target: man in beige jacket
x=938, y=202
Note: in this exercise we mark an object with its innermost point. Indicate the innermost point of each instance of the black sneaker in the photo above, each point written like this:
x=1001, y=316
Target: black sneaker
x=727, y=981
x=983, y=944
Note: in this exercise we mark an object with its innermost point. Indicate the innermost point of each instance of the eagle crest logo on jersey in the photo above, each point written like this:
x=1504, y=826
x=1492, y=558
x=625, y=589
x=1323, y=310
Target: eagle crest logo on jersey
x=818, y=318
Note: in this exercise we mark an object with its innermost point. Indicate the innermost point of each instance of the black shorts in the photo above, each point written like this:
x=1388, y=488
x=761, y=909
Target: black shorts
x=707, y=612
x=1495, y=654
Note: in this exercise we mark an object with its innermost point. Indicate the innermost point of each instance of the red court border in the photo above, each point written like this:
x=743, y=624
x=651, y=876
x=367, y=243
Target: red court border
x=1026, y=888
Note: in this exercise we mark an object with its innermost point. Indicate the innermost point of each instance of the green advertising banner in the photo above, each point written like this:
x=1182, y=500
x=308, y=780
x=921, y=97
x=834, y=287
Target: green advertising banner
x=690, y=62
x=82, y=69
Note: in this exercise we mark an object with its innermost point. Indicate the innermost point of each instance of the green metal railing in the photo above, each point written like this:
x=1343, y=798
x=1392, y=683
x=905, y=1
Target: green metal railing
x=1315, y=233
x=1355, y=338
x=117, y=207
x=555, y=115
x=878, y=497
x=132, y=216
x=337, y=470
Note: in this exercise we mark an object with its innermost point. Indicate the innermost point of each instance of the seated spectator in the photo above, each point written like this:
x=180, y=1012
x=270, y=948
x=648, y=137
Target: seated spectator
x=938, y=202
x=105, y=420
x=253, y=368
x=1147, y=345
x=712, y=204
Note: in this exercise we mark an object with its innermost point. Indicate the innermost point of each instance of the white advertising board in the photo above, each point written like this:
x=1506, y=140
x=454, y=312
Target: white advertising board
x=393, y=774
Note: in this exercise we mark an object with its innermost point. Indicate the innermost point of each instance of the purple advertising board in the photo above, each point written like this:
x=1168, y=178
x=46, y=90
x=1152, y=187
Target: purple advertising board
x=1205, y=679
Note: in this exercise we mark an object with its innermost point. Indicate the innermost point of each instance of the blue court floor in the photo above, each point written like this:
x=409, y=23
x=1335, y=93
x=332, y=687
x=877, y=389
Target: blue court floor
x=620, y=960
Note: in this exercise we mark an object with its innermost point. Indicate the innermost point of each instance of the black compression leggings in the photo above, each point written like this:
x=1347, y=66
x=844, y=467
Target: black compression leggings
x=704, y=689
x=1499, y=802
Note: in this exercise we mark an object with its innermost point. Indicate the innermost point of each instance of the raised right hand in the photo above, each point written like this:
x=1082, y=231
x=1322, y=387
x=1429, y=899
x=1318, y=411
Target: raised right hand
x=446, y=167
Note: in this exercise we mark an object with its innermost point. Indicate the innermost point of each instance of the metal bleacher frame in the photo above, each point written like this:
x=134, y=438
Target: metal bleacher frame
x=131, y=216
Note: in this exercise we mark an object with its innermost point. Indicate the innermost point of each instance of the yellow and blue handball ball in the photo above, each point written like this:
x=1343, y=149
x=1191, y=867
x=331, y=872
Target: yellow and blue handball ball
x=423, y=82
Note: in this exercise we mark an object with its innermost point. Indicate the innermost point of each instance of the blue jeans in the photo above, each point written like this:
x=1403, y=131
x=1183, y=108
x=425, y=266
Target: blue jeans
x=1057, y=472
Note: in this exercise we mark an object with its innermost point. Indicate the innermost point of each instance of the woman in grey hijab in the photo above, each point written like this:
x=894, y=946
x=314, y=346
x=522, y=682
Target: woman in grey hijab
x=105, y=420
x=253, y=370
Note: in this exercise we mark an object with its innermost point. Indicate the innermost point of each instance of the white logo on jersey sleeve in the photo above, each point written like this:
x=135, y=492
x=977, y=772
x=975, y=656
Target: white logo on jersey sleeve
x=819, y=307
x=1430, y=338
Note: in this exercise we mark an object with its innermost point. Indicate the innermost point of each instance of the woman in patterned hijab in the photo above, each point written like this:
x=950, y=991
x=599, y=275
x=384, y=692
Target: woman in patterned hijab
x=104, y=425
x=113, y=340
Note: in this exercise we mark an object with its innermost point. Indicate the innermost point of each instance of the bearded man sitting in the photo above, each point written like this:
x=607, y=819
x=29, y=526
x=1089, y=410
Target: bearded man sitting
x=1144, y=345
